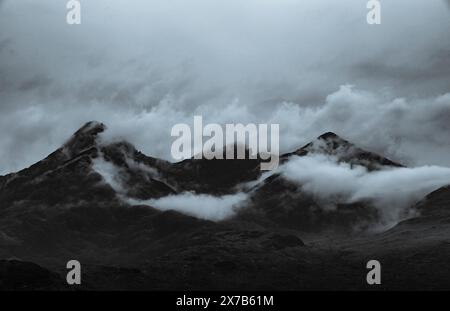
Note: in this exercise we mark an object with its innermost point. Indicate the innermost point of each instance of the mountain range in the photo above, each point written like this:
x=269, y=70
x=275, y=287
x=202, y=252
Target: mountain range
x=91, y=200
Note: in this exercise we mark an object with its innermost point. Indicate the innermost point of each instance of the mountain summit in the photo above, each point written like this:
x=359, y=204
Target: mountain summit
x=332, y=144
x=85, y=137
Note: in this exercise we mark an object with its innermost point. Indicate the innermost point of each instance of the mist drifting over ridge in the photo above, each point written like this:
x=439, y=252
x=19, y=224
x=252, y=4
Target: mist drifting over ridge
x=392, y=190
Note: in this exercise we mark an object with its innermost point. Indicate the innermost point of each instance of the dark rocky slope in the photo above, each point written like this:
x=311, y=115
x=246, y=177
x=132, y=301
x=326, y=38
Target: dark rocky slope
x=61, y=209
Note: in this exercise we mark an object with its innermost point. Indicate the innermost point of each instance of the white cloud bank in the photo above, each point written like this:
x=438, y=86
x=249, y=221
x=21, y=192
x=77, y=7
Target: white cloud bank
x=202, y=206
x=392, y=190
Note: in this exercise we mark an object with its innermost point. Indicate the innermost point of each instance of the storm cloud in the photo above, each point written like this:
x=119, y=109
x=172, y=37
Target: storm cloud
x=142, y=66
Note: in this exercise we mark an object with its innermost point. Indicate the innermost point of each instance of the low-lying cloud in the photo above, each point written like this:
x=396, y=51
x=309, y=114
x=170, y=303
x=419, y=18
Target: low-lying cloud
x=202, y=206
x=111, y=174
x=393, y=191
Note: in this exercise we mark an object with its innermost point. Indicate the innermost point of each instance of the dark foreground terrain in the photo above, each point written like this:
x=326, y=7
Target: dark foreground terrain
x=61, y=209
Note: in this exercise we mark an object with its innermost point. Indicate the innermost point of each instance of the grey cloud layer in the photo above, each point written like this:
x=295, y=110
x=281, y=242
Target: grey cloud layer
x=141, y=66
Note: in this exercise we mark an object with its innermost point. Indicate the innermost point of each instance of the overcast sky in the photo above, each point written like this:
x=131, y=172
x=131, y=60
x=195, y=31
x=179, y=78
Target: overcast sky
x=140, y=66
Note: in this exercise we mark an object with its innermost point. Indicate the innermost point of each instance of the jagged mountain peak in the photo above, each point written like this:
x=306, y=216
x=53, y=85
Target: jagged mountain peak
x=332, y=144
x=84, y=138
x=329, y=135
x=91, y=128
x=329, y=142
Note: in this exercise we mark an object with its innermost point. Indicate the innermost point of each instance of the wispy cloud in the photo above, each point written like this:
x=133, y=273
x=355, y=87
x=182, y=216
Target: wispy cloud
x=394, y=191
x=202, y=206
